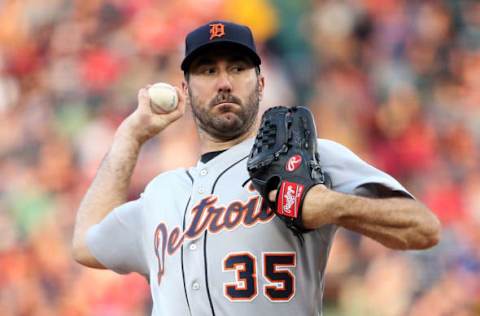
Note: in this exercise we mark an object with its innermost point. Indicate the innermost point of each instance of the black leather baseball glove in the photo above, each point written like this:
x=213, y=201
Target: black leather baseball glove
x=284, y=158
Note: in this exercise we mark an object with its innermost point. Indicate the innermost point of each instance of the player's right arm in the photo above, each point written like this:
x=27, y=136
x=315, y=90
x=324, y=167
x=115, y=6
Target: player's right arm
x=109, y=188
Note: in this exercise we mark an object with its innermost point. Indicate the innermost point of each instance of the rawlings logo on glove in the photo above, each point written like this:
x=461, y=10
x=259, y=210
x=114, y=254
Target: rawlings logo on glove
x=293, y=163
x=289, y=199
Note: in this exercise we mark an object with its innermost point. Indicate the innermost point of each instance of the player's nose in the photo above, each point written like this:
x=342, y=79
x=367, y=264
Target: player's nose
x=224, y=83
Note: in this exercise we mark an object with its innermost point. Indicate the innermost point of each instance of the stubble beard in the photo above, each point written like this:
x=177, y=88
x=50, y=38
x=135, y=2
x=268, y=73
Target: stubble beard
x=225, y=128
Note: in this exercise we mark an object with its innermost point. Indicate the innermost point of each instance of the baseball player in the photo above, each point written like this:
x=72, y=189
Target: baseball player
x=202, y=236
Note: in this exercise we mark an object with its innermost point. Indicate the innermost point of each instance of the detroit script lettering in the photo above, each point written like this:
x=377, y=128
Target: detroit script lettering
x=208, y=216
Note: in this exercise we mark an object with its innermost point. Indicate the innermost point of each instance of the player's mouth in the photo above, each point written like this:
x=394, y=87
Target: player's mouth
x=226, y=107
x=225, y=102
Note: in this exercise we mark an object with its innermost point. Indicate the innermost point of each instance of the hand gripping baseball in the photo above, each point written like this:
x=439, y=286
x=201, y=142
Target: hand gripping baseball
x=143, y=123
x=284, y=157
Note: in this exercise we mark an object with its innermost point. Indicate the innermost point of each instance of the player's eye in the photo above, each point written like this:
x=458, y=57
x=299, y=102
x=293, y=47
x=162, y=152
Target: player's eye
x=209, y=71
x=237, y=68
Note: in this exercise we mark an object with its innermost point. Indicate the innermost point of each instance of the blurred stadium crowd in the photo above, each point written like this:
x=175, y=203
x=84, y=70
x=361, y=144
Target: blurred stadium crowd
x=397, y=81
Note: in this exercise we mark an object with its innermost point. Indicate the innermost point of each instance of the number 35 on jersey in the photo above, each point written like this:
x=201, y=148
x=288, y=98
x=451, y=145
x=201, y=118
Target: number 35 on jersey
x=276, y=269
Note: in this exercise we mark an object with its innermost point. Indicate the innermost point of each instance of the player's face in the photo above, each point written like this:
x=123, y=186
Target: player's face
x=224, y=92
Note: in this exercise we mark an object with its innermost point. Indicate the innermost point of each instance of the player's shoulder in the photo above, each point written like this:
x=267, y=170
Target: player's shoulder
x=330, y=144
x=170, y=179
x=330, y=149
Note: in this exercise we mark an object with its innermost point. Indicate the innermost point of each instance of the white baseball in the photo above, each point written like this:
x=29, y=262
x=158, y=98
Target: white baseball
x=163, y=97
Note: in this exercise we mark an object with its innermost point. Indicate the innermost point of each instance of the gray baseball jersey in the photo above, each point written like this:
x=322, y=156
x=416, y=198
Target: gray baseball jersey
x=208, y=246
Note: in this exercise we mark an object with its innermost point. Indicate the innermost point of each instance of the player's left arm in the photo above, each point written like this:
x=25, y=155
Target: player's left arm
x=396, y=222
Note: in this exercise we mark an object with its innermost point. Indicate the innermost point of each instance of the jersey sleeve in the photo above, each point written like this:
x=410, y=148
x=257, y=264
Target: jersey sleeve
x=352, y=175
x=116, y=242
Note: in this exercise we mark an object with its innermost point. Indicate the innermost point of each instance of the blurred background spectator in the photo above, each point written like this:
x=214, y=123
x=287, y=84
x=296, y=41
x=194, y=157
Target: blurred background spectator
x=397, y=81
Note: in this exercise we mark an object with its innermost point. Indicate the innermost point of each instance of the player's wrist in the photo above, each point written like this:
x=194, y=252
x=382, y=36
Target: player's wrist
x=126, y=134
x=318, y=208
x=133, y=130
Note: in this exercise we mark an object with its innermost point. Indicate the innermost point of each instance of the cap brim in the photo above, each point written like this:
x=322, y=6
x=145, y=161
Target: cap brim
x=201, y=49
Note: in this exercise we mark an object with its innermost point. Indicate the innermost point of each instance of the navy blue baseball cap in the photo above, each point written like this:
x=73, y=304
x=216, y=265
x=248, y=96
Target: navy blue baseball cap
x=219, y=33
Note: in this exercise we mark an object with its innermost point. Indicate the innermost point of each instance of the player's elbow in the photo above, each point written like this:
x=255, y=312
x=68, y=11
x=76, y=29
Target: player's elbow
x=424, y=230
x=82, y=255
x=429, y=232
x=425, y=234
x=78, y=251
x=422, y=235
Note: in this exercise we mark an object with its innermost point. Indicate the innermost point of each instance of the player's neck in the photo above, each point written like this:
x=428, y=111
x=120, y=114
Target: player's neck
x=210, y=144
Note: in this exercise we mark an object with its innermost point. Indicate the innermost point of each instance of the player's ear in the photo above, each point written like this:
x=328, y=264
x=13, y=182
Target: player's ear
x=185, y=85
x=261, y=85
x=186, y=90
